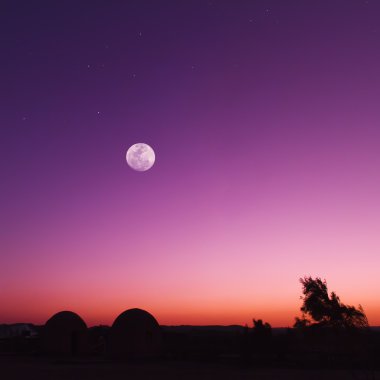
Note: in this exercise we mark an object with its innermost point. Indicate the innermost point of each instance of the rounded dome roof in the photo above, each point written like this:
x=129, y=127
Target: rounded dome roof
x=134, y=316
x=63, y=318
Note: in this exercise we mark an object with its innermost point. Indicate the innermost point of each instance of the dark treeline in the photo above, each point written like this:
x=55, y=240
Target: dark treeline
x=328, y=334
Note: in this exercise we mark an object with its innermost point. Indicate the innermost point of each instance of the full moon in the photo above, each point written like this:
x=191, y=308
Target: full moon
x=140, y=157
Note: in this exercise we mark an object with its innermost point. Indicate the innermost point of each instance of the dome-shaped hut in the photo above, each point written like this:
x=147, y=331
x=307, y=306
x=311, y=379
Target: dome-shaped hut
x=65, y=333
x=135, y=333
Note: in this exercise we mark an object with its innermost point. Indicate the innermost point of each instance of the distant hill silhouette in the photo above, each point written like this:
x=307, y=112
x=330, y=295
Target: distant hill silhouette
x=330, y=334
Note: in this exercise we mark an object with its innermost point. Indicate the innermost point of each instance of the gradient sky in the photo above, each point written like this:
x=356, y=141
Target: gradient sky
x=264, y=116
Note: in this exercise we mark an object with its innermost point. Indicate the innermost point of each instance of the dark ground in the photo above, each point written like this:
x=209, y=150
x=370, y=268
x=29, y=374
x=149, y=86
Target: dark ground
x=209, y=352
x=15, y=367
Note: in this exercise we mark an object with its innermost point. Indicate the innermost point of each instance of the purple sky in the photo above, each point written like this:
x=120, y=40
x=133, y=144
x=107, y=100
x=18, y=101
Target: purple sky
x=264, y=117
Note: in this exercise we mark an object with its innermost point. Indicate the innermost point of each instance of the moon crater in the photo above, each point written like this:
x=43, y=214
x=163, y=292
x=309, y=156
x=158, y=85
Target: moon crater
x=140, y=157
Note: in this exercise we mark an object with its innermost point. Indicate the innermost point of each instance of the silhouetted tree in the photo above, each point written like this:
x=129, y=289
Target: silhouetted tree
x=261, y=329
x=302, y=322
x=261, y=337
x=320, y=308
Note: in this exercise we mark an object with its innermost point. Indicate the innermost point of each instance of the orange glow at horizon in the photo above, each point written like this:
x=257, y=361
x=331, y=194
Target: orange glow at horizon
x=220, y=312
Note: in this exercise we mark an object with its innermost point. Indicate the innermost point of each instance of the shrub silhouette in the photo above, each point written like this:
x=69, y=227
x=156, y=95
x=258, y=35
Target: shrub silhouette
x=261, y=336
x=261, y=329
x=321, y=309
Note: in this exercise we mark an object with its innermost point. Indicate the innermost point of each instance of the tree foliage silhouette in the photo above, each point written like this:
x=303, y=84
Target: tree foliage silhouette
x=261, y=328
x=261, y=337
x=320, y=308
